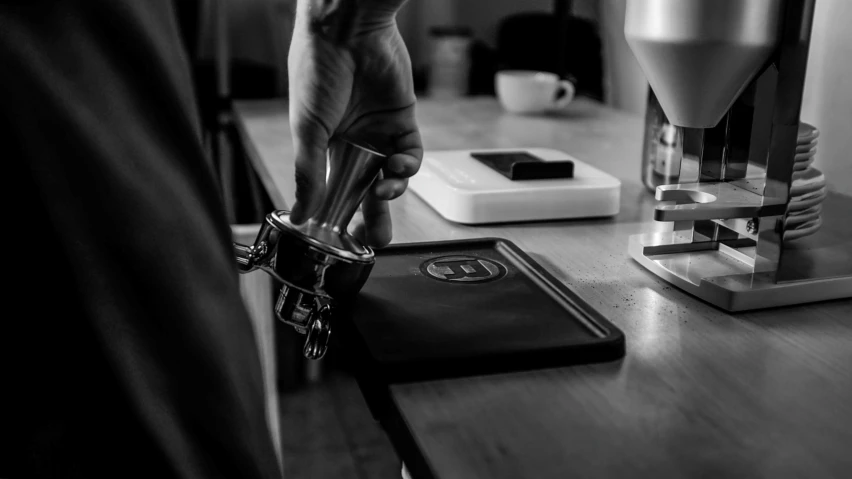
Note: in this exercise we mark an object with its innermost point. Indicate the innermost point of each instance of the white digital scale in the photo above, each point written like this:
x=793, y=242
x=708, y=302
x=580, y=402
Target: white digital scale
x=464, y=189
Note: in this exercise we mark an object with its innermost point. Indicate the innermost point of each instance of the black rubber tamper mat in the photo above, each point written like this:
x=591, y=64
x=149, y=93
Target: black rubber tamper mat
x=454, y=308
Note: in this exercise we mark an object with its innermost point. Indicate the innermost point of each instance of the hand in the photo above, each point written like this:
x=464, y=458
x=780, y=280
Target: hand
x=350, y=74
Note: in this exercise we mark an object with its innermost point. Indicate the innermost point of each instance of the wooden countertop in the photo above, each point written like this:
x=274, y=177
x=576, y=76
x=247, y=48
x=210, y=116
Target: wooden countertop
x=700, y=392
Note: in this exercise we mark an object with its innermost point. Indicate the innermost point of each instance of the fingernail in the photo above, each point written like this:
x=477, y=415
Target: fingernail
x=383, y=190
x=397, y=167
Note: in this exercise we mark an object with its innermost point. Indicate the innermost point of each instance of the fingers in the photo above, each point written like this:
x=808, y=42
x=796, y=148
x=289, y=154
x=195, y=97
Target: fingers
x=395, y=129
x=390, y=188
x=400, y=166
x=311, y=142
x=310, y=183
x=377, y=229
x=409, y=154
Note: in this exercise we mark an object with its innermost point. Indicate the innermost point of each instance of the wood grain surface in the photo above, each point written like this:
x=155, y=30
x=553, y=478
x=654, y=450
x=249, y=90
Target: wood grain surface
x=701, y=393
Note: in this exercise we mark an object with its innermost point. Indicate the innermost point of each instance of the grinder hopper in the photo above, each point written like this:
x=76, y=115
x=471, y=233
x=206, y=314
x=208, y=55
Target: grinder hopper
x=700, y=55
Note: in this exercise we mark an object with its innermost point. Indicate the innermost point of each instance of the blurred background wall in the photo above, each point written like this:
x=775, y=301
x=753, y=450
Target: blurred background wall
x=481, y=16
x=259, y=32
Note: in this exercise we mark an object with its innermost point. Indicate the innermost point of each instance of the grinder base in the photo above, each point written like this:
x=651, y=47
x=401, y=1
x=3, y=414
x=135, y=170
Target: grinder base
x=725, y=282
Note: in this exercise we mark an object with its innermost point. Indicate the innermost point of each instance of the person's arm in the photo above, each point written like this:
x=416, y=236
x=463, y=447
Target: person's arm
x=158, y=373
x=350, y=74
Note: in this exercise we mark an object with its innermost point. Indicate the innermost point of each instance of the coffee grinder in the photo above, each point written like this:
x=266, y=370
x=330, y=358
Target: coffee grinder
x=730, y=74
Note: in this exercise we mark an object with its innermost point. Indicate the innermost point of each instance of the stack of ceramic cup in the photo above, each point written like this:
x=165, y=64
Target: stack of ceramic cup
x=807, y=190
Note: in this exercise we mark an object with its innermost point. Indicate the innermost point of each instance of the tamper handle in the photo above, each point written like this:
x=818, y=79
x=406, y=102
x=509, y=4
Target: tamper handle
x=353, y=167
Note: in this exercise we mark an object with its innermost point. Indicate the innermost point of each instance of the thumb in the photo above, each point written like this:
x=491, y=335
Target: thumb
x=311, y=143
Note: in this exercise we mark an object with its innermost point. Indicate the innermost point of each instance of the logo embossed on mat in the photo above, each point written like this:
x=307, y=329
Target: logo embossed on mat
x=463, y=269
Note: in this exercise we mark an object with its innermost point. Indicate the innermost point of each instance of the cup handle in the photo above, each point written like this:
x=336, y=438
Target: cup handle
x=564, y=94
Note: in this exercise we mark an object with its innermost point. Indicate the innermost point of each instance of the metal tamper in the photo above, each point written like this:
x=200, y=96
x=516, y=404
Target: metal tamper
x=319, y=262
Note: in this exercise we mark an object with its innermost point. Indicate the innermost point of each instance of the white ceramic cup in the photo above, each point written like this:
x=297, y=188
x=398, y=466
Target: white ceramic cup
x=526, y=91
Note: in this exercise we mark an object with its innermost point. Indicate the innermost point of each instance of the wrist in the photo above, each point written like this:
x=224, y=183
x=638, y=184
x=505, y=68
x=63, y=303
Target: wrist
x=340, y=20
